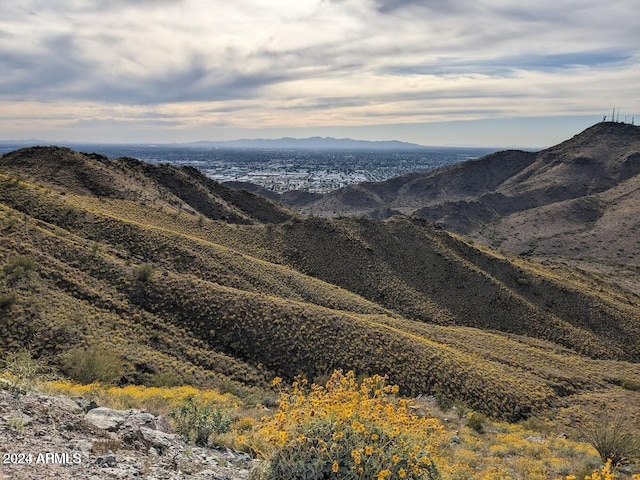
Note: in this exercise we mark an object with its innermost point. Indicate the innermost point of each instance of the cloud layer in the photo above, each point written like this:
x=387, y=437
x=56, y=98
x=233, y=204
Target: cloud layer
x=192, y=64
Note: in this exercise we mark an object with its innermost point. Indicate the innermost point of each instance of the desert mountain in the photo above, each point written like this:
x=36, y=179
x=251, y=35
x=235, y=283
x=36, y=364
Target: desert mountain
x=188, y=279
x=576, y=199
x=312, y=143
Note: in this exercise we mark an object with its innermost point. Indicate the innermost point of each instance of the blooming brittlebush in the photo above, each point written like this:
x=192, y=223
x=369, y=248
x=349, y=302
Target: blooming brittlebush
x=347, y=430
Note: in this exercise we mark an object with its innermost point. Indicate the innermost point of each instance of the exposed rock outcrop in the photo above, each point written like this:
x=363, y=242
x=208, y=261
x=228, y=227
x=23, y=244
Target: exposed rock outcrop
x=45, y=436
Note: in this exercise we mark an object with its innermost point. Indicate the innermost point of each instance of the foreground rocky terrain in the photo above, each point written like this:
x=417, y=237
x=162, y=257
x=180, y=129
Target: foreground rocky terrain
x=44, y=436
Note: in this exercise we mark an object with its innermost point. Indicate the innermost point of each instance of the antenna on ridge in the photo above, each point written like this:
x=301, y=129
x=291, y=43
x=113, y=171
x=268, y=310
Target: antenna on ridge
x=618, y=116
x=613, y=115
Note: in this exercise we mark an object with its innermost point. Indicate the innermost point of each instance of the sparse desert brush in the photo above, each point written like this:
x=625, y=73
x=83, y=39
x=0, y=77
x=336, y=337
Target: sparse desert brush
x=19, y=266
x=352, y=429
x=145, y=272
x=615, y=441
x=22, y=369
x=197, y=421
x=607, y=472
x=346, y=429
x=7, y=299
x=93, y=364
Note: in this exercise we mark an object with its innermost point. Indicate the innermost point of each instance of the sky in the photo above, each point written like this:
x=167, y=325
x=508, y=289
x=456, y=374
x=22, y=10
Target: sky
x=433, y=72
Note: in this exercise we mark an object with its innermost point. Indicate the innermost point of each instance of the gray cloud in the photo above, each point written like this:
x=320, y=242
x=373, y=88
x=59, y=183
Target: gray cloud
x=324, y=60
x=390, y=6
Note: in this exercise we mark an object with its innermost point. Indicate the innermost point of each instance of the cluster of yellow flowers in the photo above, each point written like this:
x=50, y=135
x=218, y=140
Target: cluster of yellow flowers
x=607, y=472
x=357, y=429
x=159, y=399
x=348, y=429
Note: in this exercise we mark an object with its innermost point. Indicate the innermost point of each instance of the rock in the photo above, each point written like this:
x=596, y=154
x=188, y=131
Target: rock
x=67, y=404
x=105, y=418
x=158, y=440
x=535, y=439
x=163, y=425
x=129, y=433
x=25, y=419
x=138, y=444
x=108, y=460
x=85, y=404
x=142, y=419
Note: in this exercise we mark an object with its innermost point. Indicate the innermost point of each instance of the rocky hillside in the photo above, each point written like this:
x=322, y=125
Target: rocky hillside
x=185, y=280
x=573, y=200
x=44, y=436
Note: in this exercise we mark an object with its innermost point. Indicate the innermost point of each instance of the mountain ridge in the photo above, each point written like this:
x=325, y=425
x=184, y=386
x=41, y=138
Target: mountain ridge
x=307, y=143
x=499, y=197
x=182, y=277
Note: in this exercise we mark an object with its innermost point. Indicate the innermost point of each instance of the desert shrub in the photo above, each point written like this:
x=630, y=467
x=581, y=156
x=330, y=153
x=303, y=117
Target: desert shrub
x=6, y=300
x=346, y=430
x=630, y=385
x=145, y=272
x=196, y=422
x=22, y=370
x=614, y=441
x=19, y=266
x=627, y=384
x=166, y=379
x=244, y=424
x=93, y=364
x=607, y=472
x=476, y=422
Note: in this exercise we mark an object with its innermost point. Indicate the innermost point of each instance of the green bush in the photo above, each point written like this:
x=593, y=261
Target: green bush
x=348, y=429
x=614, y=440
x=93, y=364
x=321, y=451
x=197, y=422
x=19, y=266
x=476, y=422
x=145, y=272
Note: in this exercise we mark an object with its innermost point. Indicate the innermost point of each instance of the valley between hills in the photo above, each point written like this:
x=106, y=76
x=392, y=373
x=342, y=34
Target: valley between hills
x=507, y=284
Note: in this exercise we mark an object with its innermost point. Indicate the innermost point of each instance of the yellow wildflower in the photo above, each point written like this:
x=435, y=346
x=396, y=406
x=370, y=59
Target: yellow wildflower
x=384, y=474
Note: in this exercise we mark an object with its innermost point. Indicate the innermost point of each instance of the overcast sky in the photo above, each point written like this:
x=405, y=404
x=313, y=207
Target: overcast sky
x=434, y=72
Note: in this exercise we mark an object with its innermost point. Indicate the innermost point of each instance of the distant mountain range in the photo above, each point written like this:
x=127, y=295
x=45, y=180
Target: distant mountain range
x=311, y=143
x=286, y=143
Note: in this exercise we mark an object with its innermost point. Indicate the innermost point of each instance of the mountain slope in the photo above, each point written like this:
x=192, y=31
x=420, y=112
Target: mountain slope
x=129, y=179
x=575, y=197
x=134, y=256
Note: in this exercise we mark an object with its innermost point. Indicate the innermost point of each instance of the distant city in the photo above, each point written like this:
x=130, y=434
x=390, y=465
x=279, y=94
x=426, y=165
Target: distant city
x=316, y=171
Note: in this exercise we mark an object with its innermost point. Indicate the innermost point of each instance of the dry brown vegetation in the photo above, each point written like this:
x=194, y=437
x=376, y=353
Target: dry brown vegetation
x=184, y=279
x=573, y=203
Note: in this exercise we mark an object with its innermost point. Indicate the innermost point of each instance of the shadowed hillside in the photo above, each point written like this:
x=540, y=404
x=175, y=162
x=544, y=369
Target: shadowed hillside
x=184, y=277
x=130, y=179
x=574, y=200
